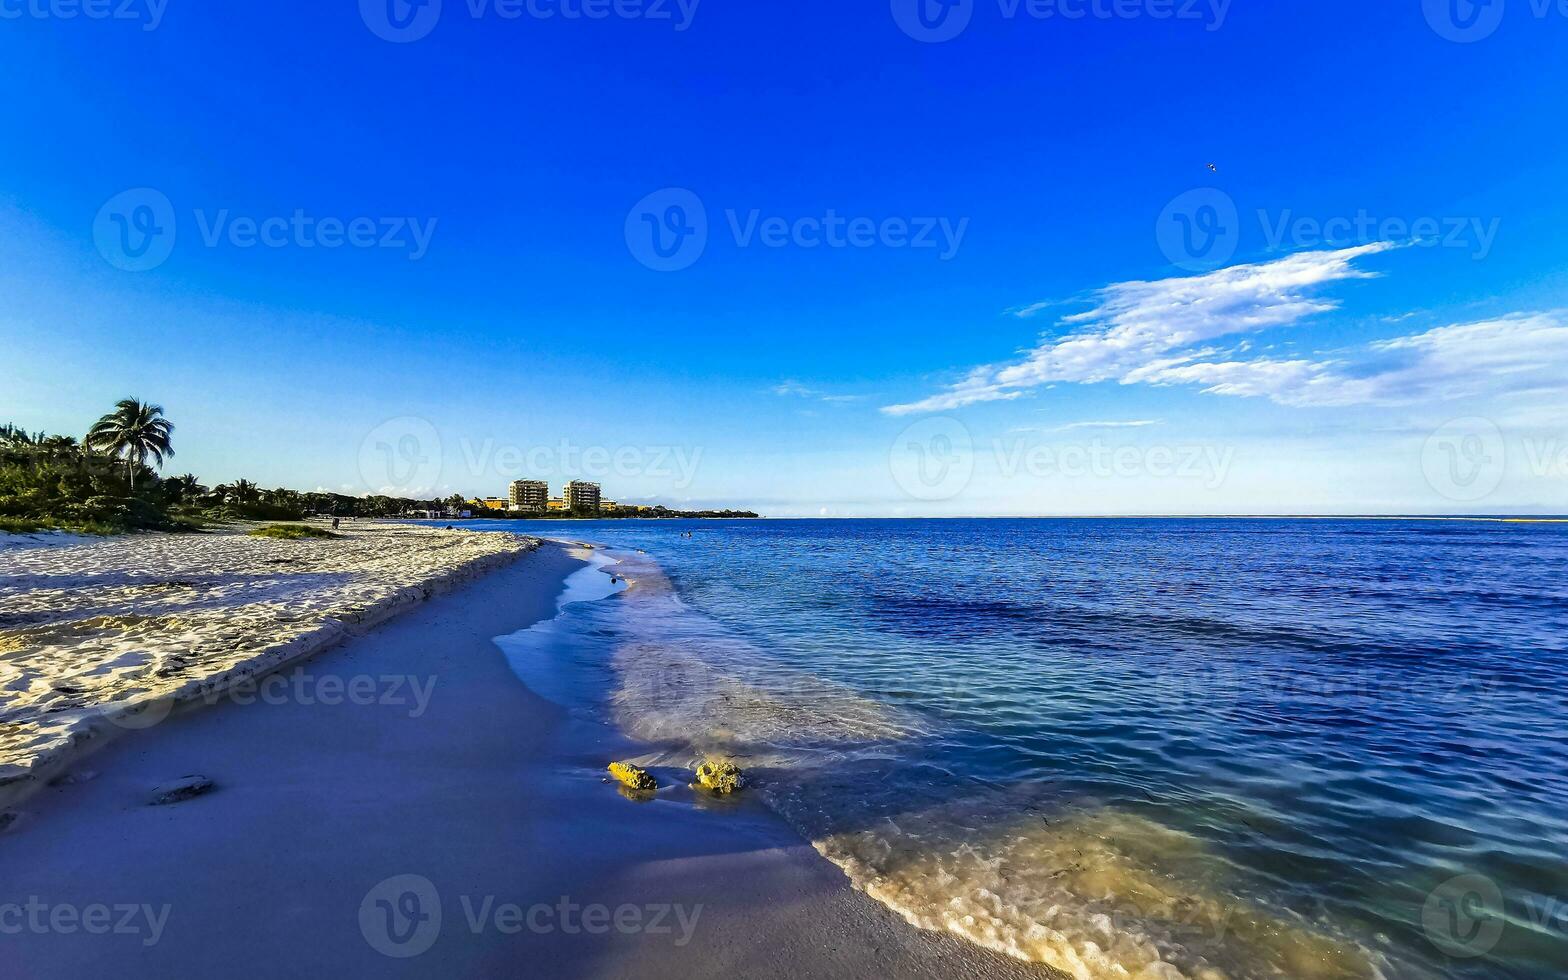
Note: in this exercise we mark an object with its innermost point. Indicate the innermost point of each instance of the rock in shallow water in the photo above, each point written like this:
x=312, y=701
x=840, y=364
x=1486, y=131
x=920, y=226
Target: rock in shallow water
x=720, y=777
x=180, y=790
x=633, y=777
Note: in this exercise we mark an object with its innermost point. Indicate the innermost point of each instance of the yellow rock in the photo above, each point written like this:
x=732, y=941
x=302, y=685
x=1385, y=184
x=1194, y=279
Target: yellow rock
x=720, y=777
x=633, y=777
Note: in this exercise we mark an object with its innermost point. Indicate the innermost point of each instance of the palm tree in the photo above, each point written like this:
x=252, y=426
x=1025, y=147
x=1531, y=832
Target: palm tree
x=136, y=431
x=11, y=435
x=184, y=488
x=242, y=492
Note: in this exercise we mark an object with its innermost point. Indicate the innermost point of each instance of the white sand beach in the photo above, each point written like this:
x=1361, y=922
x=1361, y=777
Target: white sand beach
x=459, y=791
x=103, y=635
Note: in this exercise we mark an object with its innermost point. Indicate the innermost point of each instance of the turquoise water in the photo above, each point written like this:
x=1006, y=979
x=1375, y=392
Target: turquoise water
x=1153, y=749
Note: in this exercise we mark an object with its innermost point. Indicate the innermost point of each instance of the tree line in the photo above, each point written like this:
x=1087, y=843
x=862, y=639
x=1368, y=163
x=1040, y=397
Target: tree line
x=110, y=482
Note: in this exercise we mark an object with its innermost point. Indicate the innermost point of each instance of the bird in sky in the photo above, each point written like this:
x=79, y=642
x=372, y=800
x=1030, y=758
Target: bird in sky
x=1213, y=168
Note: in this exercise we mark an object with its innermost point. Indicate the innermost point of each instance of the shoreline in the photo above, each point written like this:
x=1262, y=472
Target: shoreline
x=492, y=796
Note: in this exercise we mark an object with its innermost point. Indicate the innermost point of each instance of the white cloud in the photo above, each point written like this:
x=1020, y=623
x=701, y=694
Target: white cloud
x=1294, y=382
x=794, y=389
x=1194, y=331
x=1151, y=326
x=1129, y=424
x=1024, y=312
x=1522, y=354
x=1519, y=354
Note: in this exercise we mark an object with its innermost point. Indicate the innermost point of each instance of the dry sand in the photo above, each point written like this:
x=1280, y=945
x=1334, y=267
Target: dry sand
x=100, y=635
x=491, y=795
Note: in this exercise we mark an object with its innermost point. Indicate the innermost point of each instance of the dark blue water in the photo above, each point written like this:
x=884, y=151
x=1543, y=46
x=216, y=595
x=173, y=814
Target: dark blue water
x=1162, y=748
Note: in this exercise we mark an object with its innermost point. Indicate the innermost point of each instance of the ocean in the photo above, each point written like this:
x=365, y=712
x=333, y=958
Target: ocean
x=1154, y=749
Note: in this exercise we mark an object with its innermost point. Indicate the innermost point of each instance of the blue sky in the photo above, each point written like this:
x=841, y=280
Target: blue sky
x=991, y=274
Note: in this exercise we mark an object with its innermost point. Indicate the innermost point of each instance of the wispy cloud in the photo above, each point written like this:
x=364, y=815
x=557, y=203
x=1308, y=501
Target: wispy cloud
x=1194, y=331
x=794, y=389
x=1128, y=424
x=1141, y=327
x=1522, y=354
x=1024, y=312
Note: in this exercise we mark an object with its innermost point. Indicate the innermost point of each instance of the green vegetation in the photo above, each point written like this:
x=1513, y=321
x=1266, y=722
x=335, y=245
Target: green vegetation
x=104, y=485
x=292, y=532
x=52, y=482
x=23, y=525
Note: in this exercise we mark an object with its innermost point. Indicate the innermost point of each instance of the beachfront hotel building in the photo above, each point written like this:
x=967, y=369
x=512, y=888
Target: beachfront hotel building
x=530, y=495
x=578, y=494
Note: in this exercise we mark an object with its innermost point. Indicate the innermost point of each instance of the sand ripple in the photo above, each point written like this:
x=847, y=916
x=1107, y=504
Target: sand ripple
x=97, y=634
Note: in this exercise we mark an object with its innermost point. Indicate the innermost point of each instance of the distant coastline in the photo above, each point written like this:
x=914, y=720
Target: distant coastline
x=1494, y=519
x=659, y=514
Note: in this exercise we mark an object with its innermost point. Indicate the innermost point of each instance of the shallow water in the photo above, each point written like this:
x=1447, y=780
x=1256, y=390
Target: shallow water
x=1150, y=749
